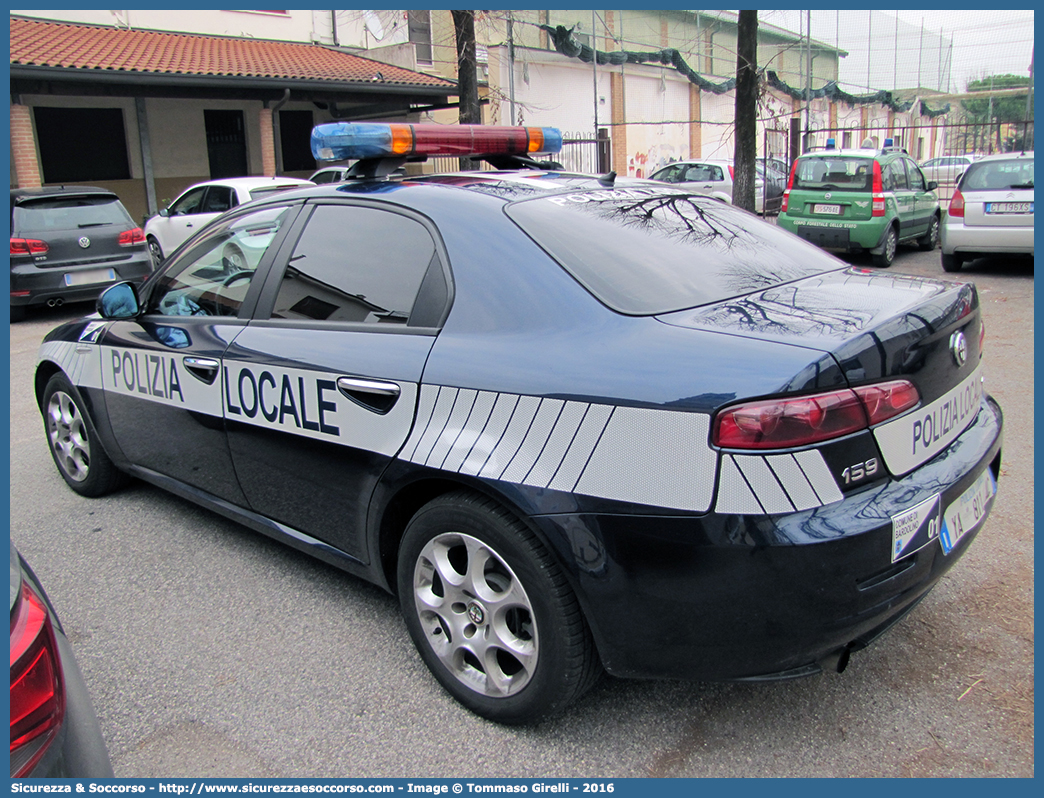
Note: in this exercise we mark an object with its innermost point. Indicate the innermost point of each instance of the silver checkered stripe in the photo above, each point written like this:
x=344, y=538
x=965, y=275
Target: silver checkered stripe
x=772, y=484
x=654, y=457
x=80, y=362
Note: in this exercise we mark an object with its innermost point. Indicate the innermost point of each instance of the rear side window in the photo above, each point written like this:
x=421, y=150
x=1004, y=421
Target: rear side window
x=834, y=173
x=645, y=251
x=69, y=213
x=356, y=264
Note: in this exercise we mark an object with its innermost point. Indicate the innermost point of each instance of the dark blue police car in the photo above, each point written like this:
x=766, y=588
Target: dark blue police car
x=576, y=423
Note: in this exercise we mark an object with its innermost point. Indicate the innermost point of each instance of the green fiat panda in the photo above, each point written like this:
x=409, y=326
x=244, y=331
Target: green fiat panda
x=857, y=200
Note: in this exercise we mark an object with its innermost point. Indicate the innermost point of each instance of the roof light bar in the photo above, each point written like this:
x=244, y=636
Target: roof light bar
x=336, y=141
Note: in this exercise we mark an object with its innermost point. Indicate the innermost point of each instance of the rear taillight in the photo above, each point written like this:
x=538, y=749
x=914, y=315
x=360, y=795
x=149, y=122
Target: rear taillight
x=129, y=238
x=790, y=185
x=982, y=335
x=804, y=420
x=956, y=204
x=878, y=200
x=28, y=246
x=732, y=173
x=37, y=693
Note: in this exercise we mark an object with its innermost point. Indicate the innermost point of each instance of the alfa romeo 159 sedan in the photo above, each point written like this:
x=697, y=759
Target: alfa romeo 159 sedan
x=576, y=423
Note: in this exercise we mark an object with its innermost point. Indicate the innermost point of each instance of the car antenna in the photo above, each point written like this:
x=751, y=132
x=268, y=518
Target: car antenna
x=608, y=180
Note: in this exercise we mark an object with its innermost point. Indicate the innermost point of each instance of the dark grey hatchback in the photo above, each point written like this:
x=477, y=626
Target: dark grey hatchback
x=70, y=242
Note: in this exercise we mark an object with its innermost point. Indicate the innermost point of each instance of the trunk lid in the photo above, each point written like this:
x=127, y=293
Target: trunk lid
x=876, y=327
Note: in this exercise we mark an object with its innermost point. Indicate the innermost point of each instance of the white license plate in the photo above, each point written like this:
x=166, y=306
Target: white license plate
x=1009, y=207
x=91, y=277
x=832, y=209
x=968, y=511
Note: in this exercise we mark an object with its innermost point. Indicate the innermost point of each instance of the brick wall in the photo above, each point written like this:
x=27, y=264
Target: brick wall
x=23, y=148
x=268, y=162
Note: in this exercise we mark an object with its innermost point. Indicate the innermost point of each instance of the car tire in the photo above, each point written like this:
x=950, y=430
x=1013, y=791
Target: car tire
x=930, y=240
x=891, y=241
x=74, y=443
x=156, y=251
x=491, y=612
x=952, y=263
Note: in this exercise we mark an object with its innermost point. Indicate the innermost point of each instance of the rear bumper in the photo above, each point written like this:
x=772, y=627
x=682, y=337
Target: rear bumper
x=724, y=597
x=959, y=239
x=31, y=285
x=845, y=236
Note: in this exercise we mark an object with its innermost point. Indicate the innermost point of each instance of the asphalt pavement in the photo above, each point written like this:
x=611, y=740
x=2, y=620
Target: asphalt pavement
x=212, y=651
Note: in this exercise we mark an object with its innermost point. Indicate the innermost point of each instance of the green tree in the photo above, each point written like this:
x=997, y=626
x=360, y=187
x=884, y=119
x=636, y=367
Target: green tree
x=993, y=113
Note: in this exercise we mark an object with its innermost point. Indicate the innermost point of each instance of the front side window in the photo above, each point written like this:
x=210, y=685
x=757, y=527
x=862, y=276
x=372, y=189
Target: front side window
x=356, y=264
x=213, y=277
x=916, y=177
x=190, y=202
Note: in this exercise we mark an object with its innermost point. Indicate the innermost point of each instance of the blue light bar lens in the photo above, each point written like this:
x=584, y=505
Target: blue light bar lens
x=552, y=140
x=339, y=141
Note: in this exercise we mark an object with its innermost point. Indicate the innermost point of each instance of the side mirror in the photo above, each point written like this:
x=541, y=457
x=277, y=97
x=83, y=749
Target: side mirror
x=932, y=185
x=164, y=212
x=119, y=301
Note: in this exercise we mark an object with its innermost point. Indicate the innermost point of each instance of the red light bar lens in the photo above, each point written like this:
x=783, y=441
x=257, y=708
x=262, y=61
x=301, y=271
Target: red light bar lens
x=345, y=140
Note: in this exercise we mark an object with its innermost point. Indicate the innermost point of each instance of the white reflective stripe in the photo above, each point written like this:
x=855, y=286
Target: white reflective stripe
x=575, y=458
x=917, y=437
x=795, y=483
x=734, y=494
x=536, y=439
x=81, y=362
x=558, y=443
x=454, y=425
x=154, y=375
x=655, y=457
x=505, y=450
x=440, y=415
x=490, y=434
x=764, y=484
x=425, y=408
x=473, y=427
x=819, y=476
x=307, y=403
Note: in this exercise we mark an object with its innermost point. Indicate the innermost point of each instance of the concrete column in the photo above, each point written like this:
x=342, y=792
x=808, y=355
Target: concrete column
x=23, y=147
x=695, y=123
x=268, y=159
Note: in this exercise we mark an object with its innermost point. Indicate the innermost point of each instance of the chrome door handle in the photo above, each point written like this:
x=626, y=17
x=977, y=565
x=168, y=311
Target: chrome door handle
x=376, y=395
x=202, y=368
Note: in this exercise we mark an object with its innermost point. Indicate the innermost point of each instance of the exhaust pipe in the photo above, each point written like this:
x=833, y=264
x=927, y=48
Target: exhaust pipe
x=57, y=302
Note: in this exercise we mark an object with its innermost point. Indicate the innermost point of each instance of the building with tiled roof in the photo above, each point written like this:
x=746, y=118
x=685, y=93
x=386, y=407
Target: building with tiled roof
x=149, y=112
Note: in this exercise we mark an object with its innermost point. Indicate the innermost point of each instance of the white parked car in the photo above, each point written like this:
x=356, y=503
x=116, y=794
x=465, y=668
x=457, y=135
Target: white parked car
x=202, y=202
x=991, y=211
x=714, y=178
x=946, y=168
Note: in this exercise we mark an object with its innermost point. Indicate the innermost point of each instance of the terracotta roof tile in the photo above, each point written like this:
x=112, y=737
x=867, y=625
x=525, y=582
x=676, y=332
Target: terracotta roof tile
x=55, y=44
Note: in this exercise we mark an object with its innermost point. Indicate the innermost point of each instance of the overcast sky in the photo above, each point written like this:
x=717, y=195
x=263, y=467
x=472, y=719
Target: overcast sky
x=984, y=43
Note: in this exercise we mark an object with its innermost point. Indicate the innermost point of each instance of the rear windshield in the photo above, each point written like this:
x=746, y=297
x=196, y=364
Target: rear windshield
x=834, y=173
x=68, y=213
x=1000, y=175
x=645, y=251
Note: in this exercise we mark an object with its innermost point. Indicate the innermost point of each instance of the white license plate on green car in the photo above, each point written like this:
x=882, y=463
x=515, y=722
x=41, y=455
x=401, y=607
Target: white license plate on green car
x=834, y=210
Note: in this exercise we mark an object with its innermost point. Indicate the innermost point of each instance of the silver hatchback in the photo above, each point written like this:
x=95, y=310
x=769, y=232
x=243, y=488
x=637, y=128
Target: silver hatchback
x=991, y=211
